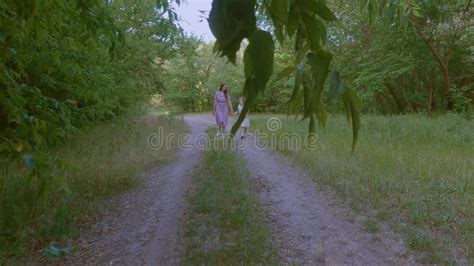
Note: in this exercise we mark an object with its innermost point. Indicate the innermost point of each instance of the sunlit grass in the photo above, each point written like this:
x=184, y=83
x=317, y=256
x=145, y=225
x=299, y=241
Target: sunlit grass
x=225, y=224
x=416, y=172
x=103, y=161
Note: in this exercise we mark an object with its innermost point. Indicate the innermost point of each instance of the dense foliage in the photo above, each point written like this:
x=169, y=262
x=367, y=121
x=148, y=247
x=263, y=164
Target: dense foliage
x=399, y=56
x=405, y=59
x=65, y=65
x=68, y=63
x=194, y=74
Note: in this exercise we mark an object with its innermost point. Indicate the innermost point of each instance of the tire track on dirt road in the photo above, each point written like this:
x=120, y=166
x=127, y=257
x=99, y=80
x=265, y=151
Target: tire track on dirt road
x=310, y=227
x=146, y=231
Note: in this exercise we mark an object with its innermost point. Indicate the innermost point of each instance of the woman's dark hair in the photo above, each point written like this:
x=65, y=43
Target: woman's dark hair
x=221, y=87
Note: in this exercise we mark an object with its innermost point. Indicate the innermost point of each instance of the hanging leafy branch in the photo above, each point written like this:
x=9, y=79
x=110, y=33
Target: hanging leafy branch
x=304, y=22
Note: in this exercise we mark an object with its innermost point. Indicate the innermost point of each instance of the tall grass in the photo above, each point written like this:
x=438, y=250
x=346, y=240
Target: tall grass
x=100, y=162
x=225, y=225
x=414, y=172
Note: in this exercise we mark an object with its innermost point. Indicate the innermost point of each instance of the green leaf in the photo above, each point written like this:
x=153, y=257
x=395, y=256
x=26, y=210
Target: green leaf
x=296, y=97
x=317, y=7
x=352, y=104
x=319, y=63
x=313, y=87
x=258, y=68
x=308, y=92
x=285, y=73
x=293, y=19
x=370, y=10
x=416, y=12
x=324, y=12
x=323, y=117
x=258, y=58
x=278, y=10
x=313, y=31
x=230, y=22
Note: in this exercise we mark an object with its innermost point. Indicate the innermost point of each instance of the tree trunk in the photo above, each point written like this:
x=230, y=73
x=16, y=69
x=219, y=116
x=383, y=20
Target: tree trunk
x=390, y=104
x=402, y=88
x=431, y=88
x=384, y=105
x=434, y=105
x=396, y=98
x=430, y=99
x=443, y=65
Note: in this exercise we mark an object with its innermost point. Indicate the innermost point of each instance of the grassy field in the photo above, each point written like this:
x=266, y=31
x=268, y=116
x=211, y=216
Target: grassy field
x=412, y=172
x=225, y=224
x=103, y=161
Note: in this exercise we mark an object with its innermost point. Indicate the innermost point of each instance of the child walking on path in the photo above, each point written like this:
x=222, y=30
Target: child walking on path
x=246, y=123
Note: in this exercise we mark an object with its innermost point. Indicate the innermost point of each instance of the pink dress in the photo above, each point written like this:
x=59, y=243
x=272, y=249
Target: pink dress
x=221, y=109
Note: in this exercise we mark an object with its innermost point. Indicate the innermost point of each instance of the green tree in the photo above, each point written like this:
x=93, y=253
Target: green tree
x=444, y=27
x=65, y=65
x=194, y=74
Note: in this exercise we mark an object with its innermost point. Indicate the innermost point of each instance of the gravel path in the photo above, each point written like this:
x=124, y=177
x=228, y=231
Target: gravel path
x=146, y=230
x=310, y=227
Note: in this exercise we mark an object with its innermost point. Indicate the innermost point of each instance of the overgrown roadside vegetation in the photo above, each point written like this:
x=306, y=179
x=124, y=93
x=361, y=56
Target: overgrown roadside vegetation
x=225, y=224
x=410, y=171
x=99, y=162
x=65, y=66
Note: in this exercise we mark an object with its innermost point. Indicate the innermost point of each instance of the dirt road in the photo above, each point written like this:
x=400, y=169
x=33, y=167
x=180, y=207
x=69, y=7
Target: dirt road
x=308, y=224
x=146, y=230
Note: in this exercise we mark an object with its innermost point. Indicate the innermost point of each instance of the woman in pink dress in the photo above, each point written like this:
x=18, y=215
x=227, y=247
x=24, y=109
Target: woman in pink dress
x=221, y=108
